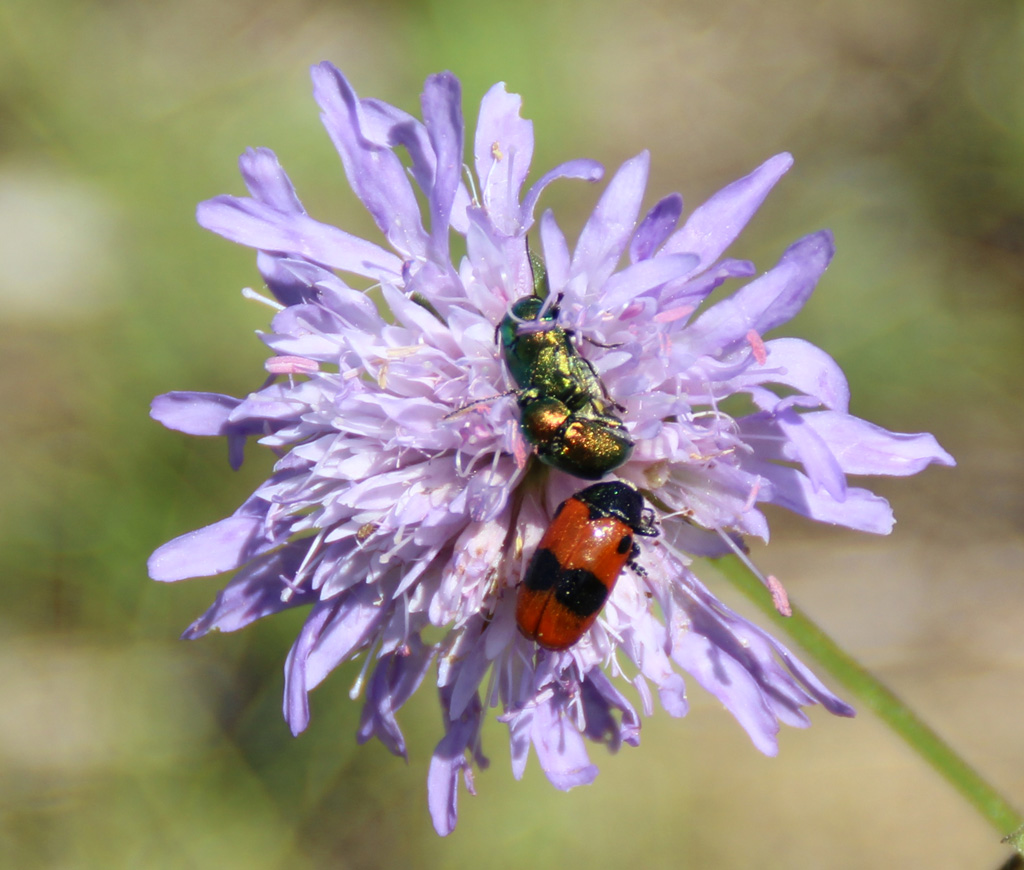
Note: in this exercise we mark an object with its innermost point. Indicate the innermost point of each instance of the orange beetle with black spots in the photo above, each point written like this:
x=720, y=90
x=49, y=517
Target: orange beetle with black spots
x=571, y=574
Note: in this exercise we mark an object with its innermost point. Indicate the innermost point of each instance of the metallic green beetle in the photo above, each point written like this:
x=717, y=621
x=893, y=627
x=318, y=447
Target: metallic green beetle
x=564, y=411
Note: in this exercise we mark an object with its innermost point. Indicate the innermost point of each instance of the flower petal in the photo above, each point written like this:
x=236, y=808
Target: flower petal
x=684, y=295
x=795, y=363
x=374, y=171
x=864, y=448
x=813, y=452
x=600, y=697
x=214, y=549
x=503, y=151
x=587, y=170
x=395, y=678
x=256, y=225
x=442, y=116
x=267, y=181
x=860, y=509
x=194, y=413
x=560, y=748
x=608, y=229
x=556, y=252
x=714, y=225
x=655, y=228
x=765, y=302
x=726, y=678
x=447, y=762
x=257, y=590
x=333, y=630
x=642, y=277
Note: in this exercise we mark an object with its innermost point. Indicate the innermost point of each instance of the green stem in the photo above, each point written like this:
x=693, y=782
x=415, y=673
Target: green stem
x=871, y=693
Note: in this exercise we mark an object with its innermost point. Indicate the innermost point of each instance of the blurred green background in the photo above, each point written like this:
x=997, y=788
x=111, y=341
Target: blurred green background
x=121, y=747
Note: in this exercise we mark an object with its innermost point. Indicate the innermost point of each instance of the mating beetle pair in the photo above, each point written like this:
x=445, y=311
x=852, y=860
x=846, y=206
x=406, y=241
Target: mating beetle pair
x=565, y=413
x=567, y=416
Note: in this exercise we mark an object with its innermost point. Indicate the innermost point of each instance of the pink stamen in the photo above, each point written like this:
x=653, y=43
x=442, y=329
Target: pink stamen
x=757, y=346
x=520, y=452
x=291, y=365
x=779, y=597
x=752, y=498
x=631, y=310
x=780, y=600
x=670, y=314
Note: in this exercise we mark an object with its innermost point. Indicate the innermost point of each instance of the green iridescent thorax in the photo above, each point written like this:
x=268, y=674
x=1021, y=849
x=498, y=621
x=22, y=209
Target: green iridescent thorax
x=522, y=352
x=543, y=358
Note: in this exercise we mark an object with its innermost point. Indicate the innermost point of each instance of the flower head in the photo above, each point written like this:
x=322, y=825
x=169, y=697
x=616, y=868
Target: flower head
x=405, y=495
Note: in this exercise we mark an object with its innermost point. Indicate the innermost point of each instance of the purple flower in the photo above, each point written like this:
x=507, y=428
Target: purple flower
x=405, y=498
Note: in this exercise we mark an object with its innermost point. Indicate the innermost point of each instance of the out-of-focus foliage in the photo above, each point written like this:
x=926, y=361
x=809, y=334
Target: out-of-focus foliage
x=120, y=747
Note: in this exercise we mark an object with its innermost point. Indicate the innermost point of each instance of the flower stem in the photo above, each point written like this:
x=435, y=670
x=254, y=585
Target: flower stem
x=897, y=715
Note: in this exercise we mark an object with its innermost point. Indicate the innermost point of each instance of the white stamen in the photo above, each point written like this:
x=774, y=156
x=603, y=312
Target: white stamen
x=357, y=686
x=494, y=465
x=398, y=543
x=249, y=293
x=402, y=352
x=293, y=586
x=613, y=663
x=472, y=184
x=510, y=193
x=490, y=696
